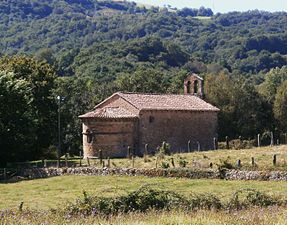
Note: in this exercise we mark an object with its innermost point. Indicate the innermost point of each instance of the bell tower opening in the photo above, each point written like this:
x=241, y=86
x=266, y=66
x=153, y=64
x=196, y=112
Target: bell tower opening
x=195, y=88
x=193, y=85
x=188, y=91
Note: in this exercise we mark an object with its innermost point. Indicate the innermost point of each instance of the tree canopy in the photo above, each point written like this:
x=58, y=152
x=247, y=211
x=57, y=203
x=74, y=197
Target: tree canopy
x=85, y=50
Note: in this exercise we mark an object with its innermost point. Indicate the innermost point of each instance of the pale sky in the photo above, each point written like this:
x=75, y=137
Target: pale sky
x=223, y=5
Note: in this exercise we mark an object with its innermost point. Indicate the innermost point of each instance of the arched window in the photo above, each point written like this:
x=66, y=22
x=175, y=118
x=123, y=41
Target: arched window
x=188, y=87
x=195, y=88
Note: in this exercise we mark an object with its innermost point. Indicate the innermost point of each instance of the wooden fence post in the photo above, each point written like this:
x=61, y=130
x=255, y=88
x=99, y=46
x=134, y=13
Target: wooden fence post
x=271, y=139
x=253, y=161
x=66, y=159
x=109, y=162
x=156, y=162
x=241, y=142
x=274, y=160
x=215, y=144
x=172, y=162
x=80, y=153
x=88, y=161
x=189, y=146
x=133, y=161
x=21, y=206
x=129, y=152
x=198, y=146
x=5, y=174
x=227, y=142
x=45, y=163
x=145, y=152
x=101, y=156
x=258, y=140
x=239, y=163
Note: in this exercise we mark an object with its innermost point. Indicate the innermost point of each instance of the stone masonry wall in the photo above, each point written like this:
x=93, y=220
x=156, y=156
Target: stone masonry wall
x=112, y=136
x=177, y=128
x=116, y=101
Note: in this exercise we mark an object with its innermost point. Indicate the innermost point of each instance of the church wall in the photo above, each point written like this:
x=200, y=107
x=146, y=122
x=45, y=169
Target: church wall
x=116, y=101
x=112, y=136
x=177, y=128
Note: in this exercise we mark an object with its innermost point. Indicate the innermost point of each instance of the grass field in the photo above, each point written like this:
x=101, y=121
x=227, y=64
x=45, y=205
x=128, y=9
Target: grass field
x=257, y=216
x=263, y=158
x=57, y=191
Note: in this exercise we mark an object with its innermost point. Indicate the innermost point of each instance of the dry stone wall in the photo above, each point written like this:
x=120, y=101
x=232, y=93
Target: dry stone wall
x=35, y=173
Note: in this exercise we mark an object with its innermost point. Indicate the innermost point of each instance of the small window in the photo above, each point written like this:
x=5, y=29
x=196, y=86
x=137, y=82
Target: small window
x=151, y=119
x=90, y=136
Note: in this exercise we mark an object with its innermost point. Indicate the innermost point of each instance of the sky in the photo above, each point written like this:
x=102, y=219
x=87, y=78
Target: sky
x=223, y=5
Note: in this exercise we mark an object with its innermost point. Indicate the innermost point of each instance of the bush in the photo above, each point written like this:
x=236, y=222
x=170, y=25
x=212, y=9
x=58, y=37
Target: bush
x=145, y=199
x=164, y=165
x=141, y=200
x=238, y=144
x=205, y=201
x=249, y=197
x=165, y=148
x=225, y=164
x=182, y=162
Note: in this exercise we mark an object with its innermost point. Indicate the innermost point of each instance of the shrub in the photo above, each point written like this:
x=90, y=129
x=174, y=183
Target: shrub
x=145, y=199
x=258, y=198
x=182, y=162
x=165, y=148
x=249, y=197
x=164, y=165
x=205, y=201
x=141, y=200
x=225, y=164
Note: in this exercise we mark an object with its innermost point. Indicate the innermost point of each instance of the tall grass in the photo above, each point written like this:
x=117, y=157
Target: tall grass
x=256, y=216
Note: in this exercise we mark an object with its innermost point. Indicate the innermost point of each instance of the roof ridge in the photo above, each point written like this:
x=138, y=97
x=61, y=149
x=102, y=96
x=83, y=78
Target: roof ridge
x=140, y=93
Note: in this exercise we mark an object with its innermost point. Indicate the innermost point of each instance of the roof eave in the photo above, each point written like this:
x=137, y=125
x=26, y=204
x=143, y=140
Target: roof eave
x=191, y=110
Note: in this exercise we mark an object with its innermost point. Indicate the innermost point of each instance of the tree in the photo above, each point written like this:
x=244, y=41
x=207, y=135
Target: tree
x=280, y=106
x=273, y=79
x=143, y=80
x=17, y=119
x=242, y=111
x=40, y=77
x=80, y=94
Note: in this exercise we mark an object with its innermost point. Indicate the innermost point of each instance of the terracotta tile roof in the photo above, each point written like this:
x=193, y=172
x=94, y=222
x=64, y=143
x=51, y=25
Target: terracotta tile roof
x=109, y=112
x=167, y=102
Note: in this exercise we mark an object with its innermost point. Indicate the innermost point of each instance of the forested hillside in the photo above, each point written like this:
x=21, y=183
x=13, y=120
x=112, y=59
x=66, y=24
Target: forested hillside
x=95, y=48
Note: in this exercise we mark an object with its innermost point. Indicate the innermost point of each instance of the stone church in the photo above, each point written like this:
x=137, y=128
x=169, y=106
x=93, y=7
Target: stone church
x=137, y=119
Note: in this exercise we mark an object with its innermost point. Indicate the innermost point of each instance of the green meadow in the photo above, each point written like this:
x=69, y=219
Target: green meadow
x=57, y=191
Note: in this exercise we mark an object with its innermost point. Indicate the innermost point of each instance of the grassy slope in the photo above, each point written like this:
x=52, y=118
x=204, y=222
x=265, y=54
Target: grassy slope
x=55, y=192
x=263, y=158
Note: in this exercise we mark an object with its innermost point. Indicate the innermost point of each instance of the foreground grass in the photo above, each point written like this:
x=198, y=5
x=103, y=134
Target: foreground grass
x=256, y=216
x=57, y=191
